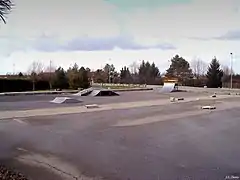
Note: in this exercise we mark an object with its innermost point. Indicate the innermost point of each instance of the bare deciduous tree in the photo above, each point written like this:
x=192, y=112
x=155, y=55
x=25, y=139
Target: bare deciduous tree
x=34, y=69
x=226, y=70
x=49, y=72
x=5, y=8
x=199, y=67
x=226, y=75
x=50, y=68
x=134, y=67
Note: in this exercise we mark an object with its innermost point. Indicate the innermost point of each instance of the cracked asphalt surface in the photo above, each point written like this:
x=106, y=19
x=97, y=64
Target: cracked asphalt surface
x=91, y=145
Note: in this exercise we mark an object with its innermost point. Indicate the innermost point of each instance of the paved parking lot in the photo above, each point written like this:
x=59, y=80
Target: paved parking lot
x=23, y=102
x=167, y=141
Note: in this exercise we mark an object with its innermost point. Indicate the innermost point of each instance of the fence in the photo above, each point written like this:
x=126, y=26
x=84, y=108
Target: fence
x=234, y=85
x=119, y=85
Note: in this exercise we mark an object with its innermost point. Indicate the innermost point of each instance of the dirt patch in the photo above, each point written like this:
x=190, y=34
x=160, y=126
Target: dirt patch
x=9, y=174
x=55, y=165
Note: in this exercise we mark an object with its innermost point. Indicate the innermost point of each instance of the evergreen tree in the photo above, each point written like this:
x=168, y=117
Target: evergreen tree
x=20, y=74
x=60, y=80
x=78, y=78
x=179, y=68
x=214, y=74
x=84, y=80
x=125, y=75
x=148, y=73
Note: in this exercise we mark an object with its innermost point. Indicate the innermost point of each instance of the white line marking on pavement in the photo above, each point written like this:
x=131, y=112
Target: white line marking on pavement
x=20, y=121
x=159, y=118
x=22, y=149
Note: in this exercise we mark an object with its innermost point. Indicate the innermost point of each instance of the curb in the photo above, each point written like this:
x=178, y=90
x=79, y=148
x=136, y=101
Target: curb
x=35, y=93
x=132, y=89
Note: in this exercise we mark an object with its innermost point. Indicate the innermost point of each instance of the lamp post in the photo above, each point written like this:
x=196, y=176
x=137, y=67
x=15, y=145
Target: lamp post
x=109, y=71
x=231, y=62
x=13, y=68
x=50, y=75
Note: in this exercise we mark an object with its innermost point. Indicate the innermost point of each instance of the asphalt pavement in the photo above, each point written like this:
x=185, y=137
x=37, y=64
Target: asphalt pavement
x=92, y=146
x=25, y=102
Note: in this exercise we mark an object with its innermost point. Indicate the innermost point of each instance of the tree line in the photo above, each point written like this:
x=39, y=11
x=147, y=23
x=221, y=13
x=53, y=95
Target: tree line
x=76, y=77
x=196, y=73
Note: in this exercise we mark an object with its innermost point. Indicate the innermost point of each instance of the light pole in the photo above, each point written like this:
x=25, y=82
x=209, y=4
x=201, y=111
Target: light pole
x=50, y=75
x=109, y=71
x=13, y=68
x=231, y=62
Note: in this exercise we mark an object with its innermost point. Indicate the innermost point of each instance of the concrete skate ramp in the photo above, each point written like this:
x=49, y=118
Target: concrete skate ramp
x=168, y=87
x=103, y=92
x=65, y=100
x=84, y=92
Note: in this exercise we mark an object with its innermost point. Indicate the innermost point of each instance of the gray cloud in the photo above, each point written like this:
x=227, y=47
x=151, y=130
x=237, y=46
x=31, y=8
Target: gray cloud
x=50, y=44
x=231, y=35
x=199, y=38
x=46, y=43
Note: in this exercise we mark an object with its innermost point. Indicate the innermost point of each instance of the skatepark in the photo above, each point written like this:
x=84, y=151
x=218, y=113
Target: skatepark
x=162, y=133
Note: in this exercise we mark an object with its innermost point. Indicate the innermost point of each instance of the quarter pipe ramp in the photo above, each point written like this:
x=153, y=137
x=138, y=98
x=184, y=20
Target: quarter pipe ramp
x=169, y=87
x=65, y=100
x=96, y=92
x=103, y=92
x=84, y=92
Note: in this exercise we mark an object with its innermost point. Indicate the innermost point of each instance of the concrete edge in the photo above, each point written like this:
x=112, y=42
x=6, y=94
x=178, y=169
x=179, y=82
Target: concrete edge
x=67, y=92
x=132, y=89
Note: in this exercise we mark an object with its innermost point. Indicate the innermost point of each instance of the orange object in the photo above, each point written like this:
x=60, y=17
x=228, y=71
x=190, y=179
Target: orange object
x=172, y=80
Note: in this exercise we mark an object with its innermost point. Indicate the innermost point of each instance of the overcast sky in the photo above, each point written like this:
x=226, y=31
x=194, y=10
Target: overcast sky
x=95, y=32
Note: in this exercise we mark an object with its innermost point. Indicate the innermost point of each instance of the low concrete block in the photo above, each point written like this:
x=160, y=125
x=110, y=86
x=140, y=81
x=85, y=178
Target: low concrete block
x=180, y=99
x=208, y=107
x=214, y=95
x=172, y=99
x=91, y=106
